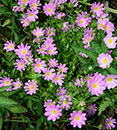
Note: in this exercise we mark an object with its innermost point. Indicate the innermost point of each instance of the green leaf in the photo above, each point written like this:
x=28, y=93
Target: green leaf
x=5, y=101
x=9, y=93
x=95, y=47
x=4, y=2
x=112, y=70
x=104, y=48
x=4, y=88
x=6, y=22
x=39, y=123
x=17, y=109
x=114, y=52
x=1, y=120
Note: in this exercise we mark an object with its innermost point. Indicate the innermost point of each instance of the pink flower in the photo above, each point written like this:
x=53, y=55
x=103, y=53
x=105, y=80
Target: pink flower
x=77, y=118
x=65, y=102
x=16, y=8
x=53, y=112
x=79, y=82
x=42, y=50
x=49, y=103
x=101, y=23
x=83, y=20
x=20, y=64
x=34, y=4
x=59, y=15
x=104, y=60
x=52, y=51
x=62, y=68
x=65, y=27
x=50, y=31
x=28, y=58
x=22, y=50
x=110, y=123
x=87, y=39
x=48, y=74
x=88, y=78
x=111, y=81
x=23, y=2
x=31, y=87
x=39, y=65
x=58, y=78
x=49, y=9
x=6, y=81
x=61, y=91
x=74, y=3
x=91, y=110
x=110, y=41
x=9, y=46
x=53, y=63
x=97, y=84
x=109, y=27
x=32, y=15
x=97, y=8
x=17, y=84
x=25, y=22
x=83, y=55
x=38, y=32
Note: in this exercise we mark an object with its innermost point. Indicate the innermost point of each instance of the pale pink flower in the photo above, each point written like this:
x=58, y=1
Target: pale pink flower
x=9, y=46
x=39, y=32
x=62, y=68
x=61, y=91
x=42, y=50
x=110, y=123
x=17, y=84
x=20, y=64
x=109, y=27
x=53, y=63
x=48, y=103
x=59, y=15
x=50, y=31
x=25, y=22
x=6, y=81
x=79, y=82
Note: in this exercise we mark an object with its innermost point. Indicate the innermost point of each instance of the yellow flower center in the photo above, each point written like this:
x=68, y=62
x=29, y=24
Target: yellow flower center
x=96, y=8
x=22, y=6
x=109, y=122
x=38, y=40
x=48, y=10
x=31, y=14
x=53, y=64
x=26, y=21
x=59, y=16
x=32, y=87
x=61, y=69
x=107, y=28
x=48, y=73
x=38, y=65
x=49, y=104
x=28, y=58
x=90, y=107
x=110, y=41
x=50, y=51
x=20, y=64
x=33, y=5
x=109, y=79
x=88, y=39
x=53, y=112
x=61, y=91
x=24, y=1
x=81, y=21
x=105, y=61
x=11, y=46
x=7, y=82
x=65, y=102
x=89, y=78
x=24, y=52
x=18, y=85
x=94, y=85
x=41, y=49
x=101, y=25
x=77, y=118
x=57, y=78
x=38, y=34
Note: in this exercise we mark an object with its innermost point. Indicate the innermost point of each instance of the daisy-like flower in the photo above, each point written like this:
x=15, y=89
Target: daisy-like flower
x=91, y=110
x=20, y=64
x=16, y=8
x=25, y=22
x=48, y=74
x=87, y=39
x=32, y=15
x=62, y=68
x=28, y=58
x=17, y=84
x=65, y=27
x=9, y=46
x=111, y=81
x=52, y=50
x=65, y=102
x=39, y=32
x=61, y=91
x=59, y=15
x=50, y=31
x=101, y=23
x=83, y=20
x=22, y=51
x=88, y=31
x=23, y=2
x=39, y=65
x=88, y=78
x=34, y=4
x=104, y=60
x=109, y=27
x=79, y=82
x=48, y=40
x=53, y=112
x=77, y=119
x=110, y=41
x=42, y=50
x=58, y=78
x=74, y=3
x=49, y=9
x=38, y=39
x=53, y=63
x=49, y=103
x=6, y=81
x=31, y=87
x=97, y=8
x=97, y=84
x=110, y=123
